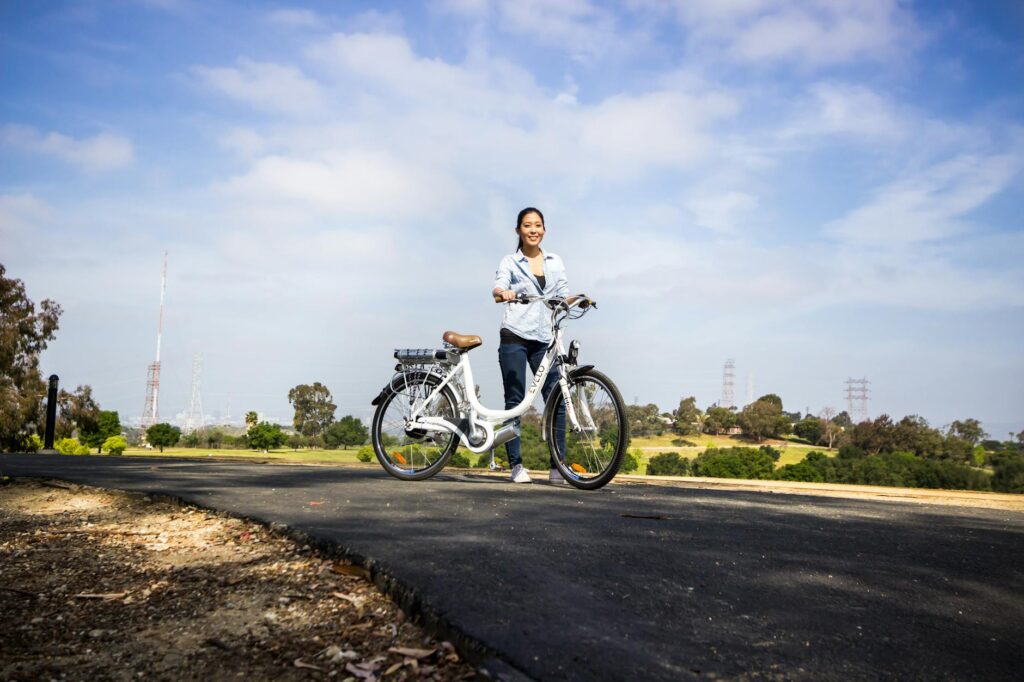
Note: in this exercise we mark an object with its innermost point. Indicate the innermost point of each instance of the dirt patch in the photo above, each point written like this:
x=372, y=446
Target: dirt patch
x=103, y=585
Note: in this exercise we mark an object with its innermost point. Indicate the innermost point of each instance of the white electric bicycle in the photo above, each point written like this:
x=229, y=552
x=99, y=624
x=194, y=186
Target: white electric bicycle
x=430, y=406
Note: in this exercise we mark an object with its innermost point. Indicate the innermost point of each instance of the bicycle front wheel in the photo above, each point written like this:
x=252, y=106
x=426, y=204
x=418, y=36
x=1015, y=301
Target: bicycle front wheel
x=408, y=453
x=590, y=453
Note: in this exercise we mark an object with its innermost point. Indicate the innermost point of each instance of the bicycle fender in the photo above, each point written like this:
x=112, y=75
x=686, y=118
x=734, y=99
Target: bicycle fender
x=380, y=396
x=580, y=370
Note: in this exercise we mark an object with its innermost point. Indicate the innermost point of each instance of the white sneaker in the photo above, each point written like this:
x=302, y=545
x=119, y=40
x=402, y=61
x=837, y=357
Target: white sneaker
x=519, y=474
x=555, y=476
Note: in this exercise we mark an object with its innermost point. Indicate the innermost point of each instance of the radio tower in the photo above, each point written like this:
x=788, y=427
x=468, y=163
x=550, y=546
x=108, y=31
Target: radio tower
x=195, y=405
x=728, y=384
x=857, y=399
x=151, y=412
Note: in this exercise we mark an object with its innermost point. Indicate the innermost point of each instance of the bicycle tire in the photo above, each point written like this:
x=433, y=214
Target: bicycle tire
x=387, y=453
x=605, y=465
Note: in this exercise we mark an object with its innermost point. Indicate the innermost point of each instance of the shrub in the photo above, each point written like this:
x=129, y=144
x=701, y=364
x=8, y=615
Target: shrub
x=807, y=469
x=849, y=451
x=32, y=443
x=69, y=446
x=888, y=469
x=630, y=461
x=365, y=453
x=1009, y=474
x=500, y=458
x=748, y=463
x=115, y=445
x=668, y=464
x=458, y=459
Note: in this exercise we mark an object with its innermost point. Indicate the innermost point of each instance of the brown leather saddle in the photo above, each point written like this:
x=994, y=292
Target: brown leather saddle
x=462, y=341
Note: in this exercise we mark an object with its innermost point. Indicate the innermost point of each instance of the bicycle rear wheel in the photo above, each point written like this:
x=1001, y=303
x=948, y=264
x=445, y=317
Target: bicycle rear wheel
x=590, y=457
x=413, y=454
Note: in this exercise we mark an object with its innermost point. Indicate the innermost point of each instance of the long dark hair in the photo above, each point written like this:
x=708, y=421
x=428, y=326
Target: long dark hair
x=519, y=222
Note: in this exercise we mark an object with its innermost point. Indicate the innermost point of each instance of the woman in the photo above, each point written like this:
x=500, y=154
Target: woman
x=526, y=328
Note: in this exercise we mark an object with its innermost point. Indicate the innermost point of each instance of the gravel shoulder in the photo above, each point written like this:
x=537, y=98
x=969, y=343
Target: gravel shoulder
x=97, y=584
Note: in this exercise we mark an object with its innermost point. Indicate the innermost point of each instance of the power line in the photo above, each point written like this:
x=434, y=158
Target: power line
x=857, y=399
x=195, y=408
x=729, y=384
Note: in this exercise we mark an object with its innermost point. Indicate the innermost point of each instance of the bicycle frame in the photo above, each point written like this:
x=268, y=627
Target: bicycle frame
x=484, y=418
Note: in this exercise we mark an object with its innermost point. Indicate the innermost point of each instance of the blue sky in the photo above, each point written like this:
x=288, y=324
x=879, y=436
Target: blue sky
x=817, y=189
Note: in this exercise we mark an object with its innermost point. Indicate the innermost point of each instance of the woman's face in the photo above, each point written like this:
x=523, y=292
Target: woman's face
x=531, y=230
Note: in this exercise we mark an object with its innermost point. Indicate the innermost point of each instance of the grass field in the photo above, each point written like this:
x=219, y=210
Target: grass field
x=791, y=452
x=648, y=447
x=284, y=455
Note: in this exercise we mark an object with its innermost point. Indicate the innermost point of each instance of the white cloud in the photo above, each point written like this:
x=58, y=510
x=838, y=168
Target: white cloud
x=579, y=27
x=655, y=128
x=849, y=109
x=723, y=212
x=265, y=85
x=296, y=18
x=362, y=182
x=102, y=152
x=493, y=120
x=809, y=33
x=19, y=215
x=467, y=8
x=245, y=142
x=928, y=205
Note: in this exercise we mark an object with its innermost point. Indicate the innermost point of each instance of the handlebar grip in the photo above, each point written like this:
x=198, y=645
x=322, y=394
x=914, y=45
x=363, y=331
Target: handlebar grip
x=521, y=298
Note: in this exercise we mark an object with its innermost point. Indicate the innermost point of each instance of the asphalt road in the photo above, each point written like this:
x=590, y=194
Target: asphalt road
x=646, y=582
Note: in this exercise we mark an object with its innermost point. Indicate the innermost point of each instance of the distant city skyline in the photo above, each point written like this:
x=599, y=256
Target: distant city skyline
x=820, y=190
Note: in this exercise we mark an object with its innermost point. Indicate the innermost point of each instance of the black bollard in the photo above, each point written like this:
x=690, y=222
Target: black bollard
x=51, y=413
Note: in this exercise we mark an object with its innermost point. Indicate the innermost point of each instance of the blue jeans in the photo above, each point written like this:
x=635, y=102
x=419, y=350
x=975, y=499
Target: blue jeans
x=513, y=358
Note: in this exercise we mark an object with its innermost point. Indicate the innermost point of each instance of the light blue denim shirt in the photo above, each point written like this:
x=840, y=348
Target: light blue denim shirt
x=532, y=320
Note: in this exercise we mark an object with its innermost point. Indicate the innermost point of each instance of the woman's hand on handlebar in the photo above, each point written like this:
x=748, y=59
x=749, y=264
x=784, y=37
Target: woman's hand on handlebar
x=504, y=295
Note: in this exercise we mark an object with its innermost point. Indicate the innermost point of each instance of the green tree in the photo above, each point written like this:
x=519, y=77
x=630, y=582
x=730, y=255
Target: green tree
x=115, y=445
x=77, y=413
x=749, y=463
x=686, y=416
x=719, y=420
x=162, y=435
x=295, y=441
x=810, y=429
x=214, y=437
x=968, y=430
x=24, y=334
x=107, y=424
x=266, y=436
x=314, y=408
x=645, y=420
x=668, y=464
x=874, y=435
x=830, y=429
x=762, y=418
x=345, y=432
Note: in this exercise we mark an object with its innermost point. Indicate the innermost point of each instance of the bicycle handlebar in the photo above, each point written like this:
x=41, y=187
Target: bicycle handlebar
x=580, y=300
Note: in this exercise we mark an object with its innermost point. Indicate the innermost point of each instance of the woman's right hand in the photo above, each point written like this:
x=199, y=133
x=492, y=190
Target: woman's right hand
x=504, y=295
